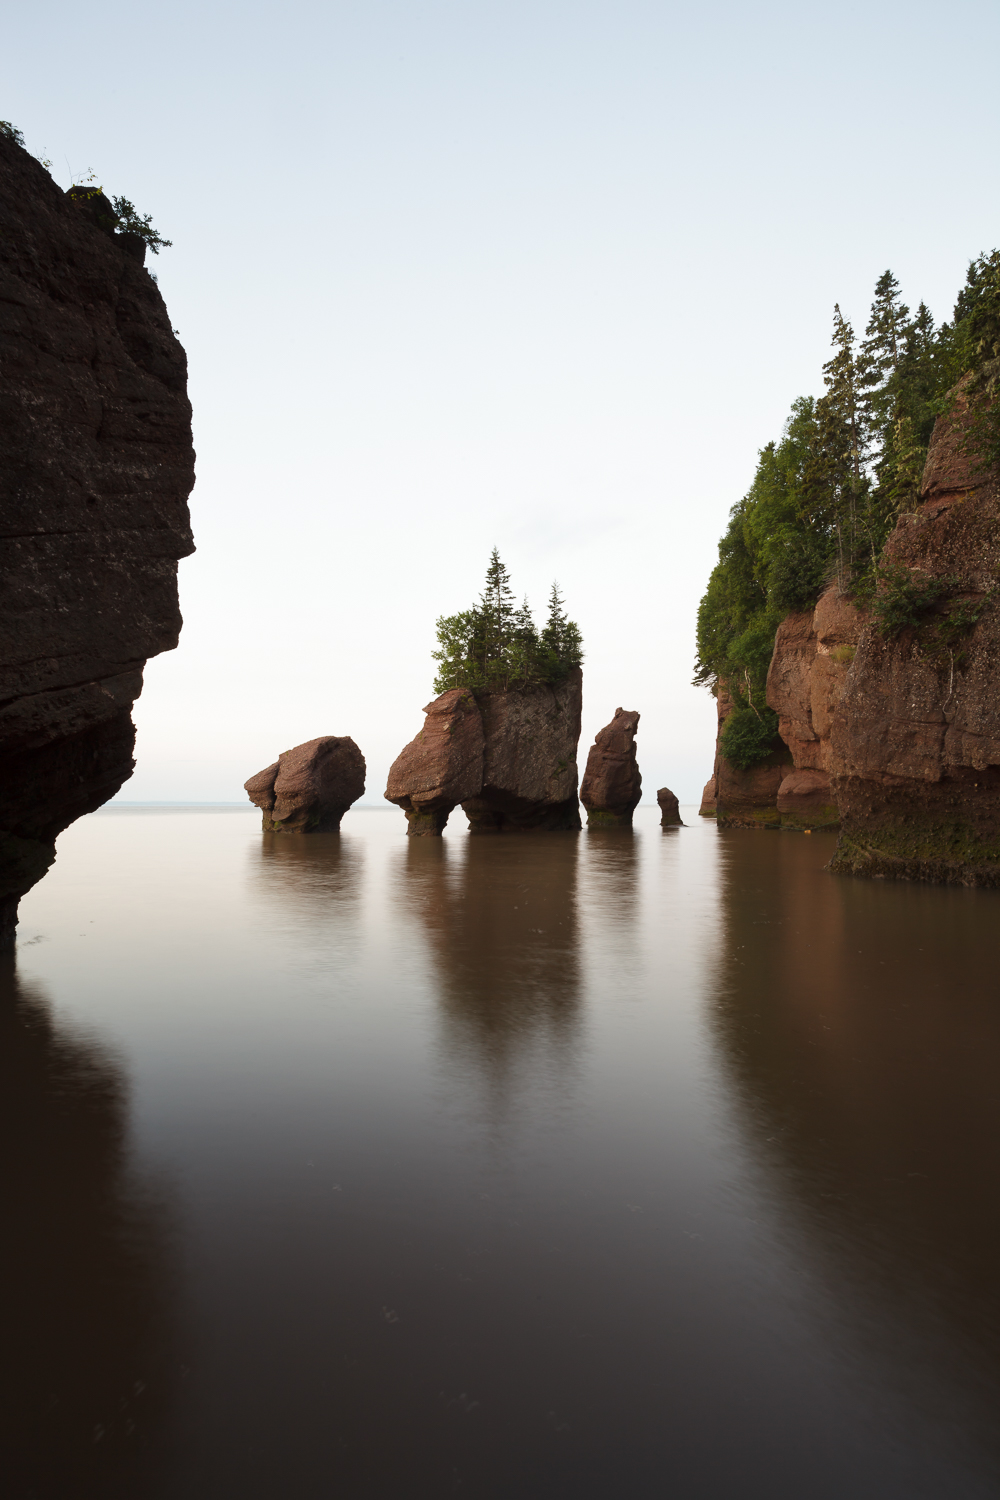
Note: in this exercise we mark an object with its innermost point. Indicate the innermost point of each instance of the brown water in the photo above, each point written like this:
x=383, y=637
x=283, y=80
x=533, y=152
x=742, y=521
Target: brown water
x=557, y=1166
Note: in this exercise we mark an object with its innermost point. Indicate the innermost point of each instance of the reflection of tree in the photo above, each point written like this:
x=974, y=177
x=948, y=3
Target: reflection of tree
x=83, y=1275
x=861, y=1022
x=502, y=923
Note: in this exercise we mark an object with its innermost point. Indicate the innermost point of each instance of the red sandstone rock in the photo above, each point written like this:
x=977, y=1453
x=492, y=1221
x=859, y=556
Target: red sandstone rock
x=915, y=739
x=670, y=812
x=309, y=788
x=612, y=786
x=442, y=766
x=709, y=798
x=96, y=469
x=808, y=673
x=529, y=760
x=805, y=800
x=743, y=799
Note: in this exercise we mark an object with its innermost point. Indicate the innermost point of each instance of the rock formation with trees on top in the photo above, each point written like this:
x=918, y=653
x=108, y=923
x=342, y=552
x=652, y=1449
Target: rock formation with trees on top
x=308, y=789
x=851, y=630
x=612, y=785
x=501, y=738
x=97, y=466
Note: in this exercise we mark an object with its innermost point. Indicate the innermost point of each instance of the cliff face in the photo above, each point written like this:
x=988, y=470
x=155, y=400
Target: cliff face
x=807, y=678
x=96, y=468
x=915, y=741
x=530, y=773
x=743, y=799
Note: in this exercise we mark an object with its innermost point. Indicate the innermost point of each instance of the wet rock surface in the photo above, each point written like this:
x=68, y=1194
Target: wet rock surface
x=612, y=785
x=97, y=465
x=441, y=766
x=530, y=773
x=308, y=789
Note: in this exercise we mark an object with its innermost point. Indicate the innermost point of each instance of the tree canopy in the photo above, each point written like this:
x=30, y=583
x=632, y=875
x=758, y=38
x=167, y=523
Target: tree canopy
x=826, y=495
x=495, y=645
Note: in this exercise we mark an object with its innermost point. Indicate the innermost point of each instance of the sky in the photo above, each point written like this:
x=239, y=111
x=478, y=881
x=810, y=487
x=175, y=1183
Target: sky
x=541, y=276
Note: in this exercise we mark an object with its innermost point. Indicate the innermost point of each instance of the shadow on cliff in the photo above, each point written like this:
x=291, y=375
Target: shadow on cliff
x=501, y=919
x=861, y=1026
x=85, y=1270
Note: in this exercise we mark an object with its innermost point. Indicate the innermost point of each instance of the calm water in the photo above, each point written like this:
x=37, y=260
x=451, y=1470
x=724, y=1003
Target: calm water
x=660, y=1165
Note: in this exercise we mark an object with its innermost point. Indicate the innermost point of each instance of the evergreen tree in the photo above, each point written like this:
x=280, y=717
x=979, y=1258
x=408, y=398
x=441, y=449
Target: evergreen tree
x=495, y=645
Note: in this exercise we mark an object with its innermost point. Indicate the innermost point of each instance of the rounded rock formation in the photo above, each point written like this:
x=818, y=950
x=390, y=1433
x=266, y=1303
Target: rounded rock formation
x=308, y=789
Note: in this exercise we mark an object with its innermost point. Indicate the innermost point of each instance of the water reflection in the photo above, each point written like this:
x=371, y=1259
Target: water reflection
x=501, y=919
x=862, y=1024
x=310, y=882
x=84, y=1276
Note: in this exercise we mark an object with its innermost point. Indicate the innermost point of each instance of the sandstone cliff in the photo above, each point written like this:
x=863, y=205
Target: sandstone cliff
x=915, y=741
x=97, y=466
x=743, y=799
x=813, y=652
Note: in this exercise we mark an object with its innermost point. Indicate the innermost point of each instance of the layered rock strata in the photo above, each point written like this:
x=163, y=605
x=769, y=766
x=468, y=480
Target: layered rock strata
x=441, y=766
x=529, y=760
x=308, y=789
x=97, y=466
x=813, y=652
x=612, y=785
x=915, y=741
x=670, y=812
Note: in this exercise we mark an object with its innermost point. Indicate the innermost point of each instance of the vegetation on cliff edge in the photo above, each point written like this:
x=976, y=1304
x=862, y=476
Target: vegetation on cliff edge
x=496, y=645
x=827, y=494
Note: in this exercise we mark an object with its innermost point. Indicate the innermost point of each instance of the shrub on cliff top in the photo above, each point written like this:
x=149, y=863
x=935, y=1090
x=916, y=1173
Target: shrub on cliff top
x=496, y=646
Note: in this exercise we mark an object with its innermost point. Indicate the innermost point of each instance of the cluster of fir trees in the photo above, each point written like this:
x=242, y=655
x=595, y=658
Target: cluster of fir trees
x=496, y=646
x=825, y=497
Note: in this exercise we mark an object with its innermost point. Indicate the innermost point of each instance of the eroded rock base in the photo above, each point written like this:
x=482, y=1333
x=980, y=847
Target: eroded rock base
x=948, y=833
x=500, y=813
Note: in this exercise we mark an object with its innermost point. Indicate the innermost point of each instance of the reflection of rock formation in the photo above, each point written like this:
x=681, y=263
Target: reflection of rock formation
x=96, y=469
x=309, y=880
x=502, y=924
x=862, y=1027
x=82, y=1271
x=309, y=789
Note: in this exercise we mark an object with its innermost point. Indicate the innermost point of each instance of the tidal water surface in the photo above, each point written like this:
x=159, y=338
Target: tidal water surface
x=610, y=1165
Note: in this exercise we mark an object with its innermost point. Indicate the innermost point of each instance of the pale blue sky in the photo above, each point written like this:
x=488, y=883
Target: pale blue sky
x=541, y=275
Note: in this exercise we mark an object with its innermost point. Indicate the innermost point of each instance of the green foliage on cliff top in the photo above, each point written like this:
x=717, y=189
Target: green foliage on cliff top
x=496, y=646
x=827, y=494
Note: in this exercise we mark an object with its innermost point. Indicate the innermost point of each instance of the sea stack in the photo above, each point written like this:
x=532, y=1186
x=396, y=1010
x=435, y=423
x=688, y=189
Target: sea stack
x=96, y=470
x=440, y=767
x=308, y=789
x=670, y=812
x=529, y=759
x=612, y=785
